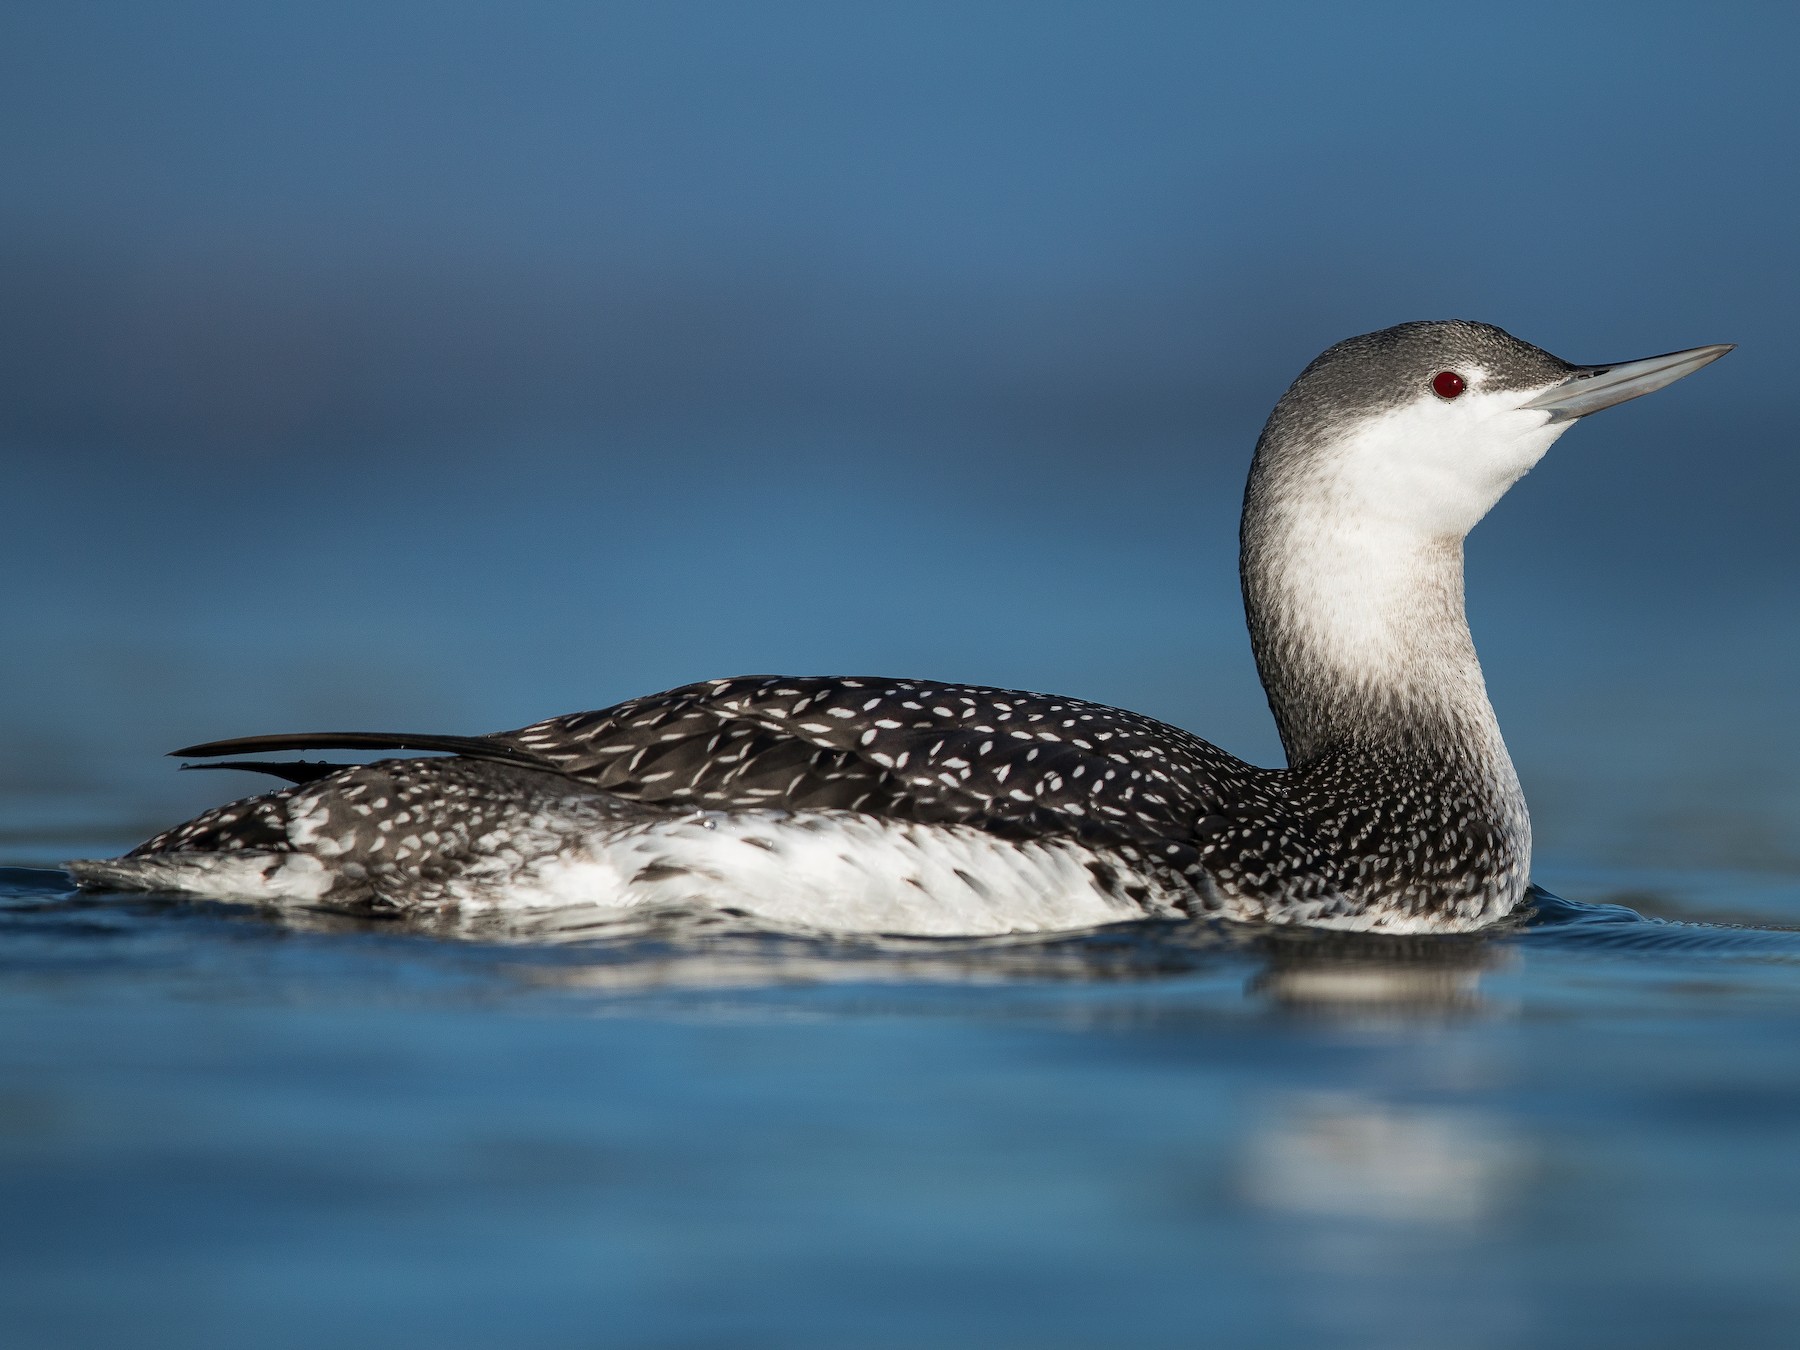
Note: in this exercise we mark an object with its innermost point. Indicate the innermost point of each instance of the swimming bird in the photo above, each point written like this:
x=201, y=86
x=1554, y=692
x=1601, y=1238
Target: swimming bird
x=871, y=804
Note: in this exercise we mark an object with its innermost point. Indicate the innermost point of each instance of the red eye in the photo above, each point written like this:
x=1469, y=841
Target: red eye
x=1447, y=384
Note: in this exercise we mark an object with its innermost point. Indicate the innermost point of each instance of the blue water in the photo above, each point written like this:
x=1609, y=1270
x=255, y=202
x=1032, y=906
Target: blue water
x=219, y=1127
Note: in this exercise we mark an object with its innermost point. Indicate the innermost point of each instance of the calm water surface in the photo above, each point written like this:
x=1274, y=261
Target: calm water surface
x=223, y=1128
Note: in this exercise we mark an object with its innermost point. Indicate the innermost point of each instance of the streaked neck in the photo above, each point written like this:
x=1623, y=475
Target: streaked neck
x=1361, y=636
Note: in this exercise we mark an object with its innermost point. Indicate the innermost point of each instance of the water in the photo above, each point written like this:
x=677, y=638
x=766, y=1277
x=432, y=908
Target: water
x=222, y=1128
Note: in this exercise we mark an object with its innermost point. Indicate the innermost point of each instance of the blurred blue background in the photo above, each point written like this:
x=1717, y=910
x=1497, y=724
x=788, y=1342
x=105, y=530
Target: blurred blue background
x=446, y=366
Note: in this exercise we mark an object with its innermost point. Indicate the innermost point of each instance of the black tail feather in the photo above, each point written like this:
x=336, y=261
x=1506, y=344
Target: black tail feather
x=469, y=747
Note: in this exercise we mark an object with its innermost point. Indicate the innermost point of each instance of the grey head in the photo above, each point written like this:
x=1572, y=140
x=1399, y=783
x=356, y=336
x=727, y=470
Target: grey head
x=1433, y=421
x=1375, y=372
x=1377, y=461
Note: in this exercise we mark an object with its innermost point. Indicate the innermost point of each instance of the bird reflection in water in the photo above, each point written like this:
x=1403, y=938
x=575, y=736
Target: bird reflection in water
x=1376, y=1211
x=1374, y=1196
x=1367, y=979
x=1348, y=1155
x=1315, y=973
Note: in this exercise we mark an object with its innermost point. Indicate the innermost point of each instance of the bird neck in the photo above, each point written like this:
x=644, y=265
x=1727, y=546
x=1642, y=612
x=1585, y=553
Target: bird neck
x=1362, y=640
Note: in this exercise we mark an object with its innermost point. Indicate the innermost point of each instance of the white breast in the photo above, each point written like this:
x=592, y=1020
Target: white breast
x=830, y=869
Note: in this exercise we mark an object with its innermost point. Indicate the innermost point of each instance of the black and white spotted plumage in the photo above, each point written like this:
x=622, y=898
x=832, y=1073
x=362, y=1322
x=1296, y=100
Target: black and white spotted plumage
x=1018, y=765
x=1025, y=765
x=1156, y=821
x=1016, y=762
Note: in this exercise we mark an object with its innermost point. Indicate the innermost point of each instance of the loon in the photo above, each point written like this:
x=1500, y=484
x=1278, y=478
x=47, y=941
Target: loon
x=908, y=806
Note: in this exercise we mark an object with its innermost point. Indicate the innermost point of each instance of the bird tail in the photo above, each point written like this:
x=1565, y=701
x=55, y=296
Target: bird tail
x=239, y=876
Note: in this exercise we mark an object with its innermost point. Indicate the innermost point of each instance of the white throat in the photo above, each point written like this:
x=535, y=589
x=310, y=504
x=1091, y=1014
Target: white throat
x=1353, y=568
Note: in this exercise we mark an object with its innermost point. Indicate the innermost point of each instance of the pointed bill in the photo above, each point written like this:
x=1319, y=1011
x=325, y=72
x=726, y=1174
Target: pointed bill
x=1592, y=388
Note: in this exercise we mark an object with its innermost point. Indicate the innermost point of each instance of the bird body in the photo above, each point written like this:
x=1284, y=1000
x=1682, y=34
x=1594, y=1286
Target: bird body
x=910, y=806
